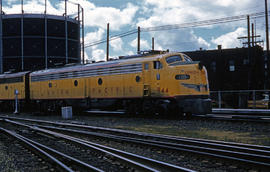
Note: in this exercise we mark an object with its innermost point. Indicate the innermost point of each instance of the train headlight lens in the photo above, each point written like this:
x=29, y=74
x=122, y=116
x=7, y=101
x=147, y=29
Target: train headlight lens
x=182, y=77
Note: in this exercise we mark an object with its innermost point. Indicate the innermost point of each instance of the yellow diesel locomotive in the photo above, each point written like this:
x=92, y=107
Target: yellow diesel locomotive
x=152, y=83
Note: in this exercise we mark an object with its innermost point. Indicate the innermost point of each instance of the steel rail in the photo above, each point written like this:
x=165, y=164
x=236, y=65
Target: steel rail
x=138, y=162
x=235, y=118
x=61, y=166
x=246, y=155
x=135, y=133
x=241, y=153
x=62, y=155
x=188, y=142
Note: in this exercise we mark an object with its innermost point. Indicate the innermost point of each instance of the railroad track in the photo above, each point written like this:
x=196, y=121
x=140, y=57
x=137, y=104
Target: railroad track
x=23, y=154
x=46, y=153
x=235, y=118
x=113, y=159
x=255, y=156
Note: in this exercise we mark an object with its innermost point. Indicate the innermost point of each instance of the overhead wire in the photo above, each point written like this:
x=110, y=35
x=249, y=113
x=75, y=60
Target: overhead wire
x=180, y=26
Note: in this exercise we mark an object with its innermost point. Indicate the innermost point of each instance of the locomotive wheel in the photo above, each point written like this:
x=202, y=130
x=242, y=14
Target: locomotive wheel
x=186, y=115
x=132, y=107
x=148, y=108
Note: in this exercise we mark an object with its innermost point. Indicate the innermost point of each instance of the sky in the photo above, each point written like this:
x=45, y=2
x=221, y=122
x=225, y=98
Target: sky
x=126, y=15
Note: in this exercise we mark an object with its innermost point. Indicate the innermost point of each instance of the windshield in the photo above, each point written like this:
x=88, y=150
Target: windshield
x=173, y=59
x=188, y=59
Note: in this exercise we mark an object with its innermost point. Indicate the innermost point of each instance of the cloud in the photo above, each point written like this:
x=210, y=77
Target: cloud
x=9, y=2
x=182, y=11
x=179, y=40
x=117, y=18
x=117, y=44
x=94, y=16
x=229, y=40
x=31, y=6
x=94, y=36
x=144, y=45
x=93, y=52
x=98, y=54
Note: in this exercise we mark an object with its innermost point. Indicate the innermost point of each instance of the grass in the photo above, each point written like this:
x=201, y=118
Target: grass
x=204, y=133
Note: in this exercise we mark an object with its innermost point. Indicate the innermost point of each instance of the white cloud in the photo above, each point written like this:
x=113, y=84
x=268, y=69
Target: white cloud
x=9, y=2
x=144, y=45
x=203, y=42
x=98, y=54
x=230, y=40
x=117, y=44
x=182, y=11
x=94, y=36
x=227, y=3
x=179, y=40
x=94, y=16
x=162, y=12
x=100, y=16
x=93, y=52
x=31, y=6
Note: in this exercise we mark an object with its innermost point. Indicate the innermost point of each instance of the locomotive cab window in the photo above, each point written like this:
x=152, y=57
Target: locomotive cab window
x=157, y=64
x=173, y=59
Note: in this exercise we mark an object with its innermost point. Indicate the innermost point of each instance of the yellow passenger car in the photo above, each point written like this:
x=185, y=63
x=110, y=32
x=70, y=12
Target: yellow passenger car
x=9, y=83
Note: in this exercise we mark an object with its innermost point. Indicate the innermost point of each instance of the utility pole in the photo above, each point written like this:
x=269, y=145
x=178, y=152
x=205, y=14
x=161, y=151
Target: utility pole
x=1, y=45
x=266, y=28
x=79, y=36
x=1, y=6
x=153, y=43
x=22, y=42
x=248, y=27
x=83, y=35
x=45, y=7
x=108, y=37
x=267, y=45
x=139, y=39
x=22, y=6
x=252, y=28
x=66, y=32
x=249, y=62
x=46, y=36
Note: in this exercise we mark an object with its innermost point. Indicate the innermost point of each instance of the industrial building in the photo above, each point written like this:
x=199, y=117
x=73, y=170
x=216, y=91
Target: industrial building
x=31, y=42
x=235, y=68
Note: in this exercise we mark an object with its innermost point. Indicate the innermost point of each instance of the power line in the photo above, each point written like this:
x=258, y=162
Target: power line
x=117, y=36
x=181, y=26
x=203, y=23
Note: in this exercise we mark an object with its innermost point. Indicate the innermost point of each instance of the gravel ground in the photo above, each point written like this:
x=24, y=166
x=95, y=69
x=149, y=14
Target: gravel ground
x=14, y=157
x=243, y=132
x=182, y=159
x=6, y=161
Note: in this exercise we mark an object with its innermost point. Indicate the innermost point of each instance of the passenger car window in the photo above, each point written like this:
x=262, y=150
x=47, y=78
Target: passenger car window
x=173, y=59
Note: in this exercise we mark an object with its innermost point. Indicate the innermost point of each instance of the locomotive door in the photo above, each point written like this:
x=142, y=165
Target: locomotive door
x=146, y=79
x=151, y=75
x=155, y=78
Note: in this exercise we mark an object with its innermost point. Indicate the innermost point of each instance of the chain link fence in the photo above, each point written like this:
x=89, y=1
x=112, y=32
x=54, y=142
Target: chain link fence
x=241, y=99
